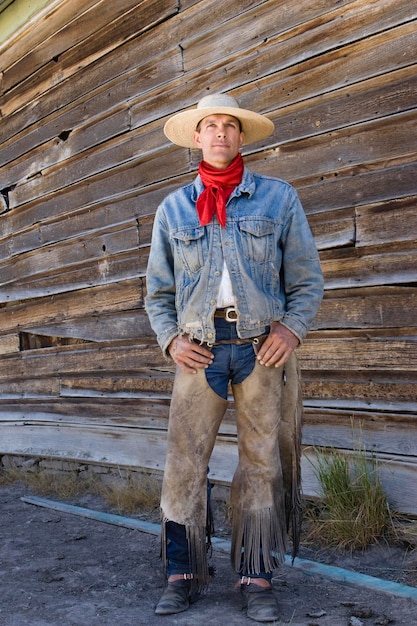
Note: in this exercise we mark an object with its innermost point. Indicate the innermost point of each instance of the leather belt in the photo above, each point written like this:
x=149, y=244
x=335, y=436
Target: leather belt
x=229, y=314
x=256, y=341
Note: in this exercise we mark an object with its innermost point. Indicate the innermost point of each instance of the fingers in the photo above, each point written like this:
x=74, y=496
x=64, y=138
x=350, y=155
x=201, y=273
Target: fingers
x=189, y=356
x=274, y=357
x=278, y=346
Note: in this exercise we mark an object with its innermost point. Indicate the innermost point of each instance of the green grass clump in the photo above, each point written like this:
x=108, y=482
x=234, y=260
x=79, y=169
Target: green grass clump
x=354, y=511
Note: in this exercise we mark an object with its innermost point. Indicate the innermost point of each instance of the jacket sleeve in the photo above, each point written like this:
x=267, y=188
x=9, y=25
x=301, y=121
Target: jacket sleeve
x=160, y=284
x=301, y=271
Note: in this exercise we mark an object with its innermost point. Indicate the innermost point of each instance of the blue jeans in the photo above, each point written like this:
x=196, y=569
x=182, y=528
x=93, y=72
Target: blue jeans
x=232, y=363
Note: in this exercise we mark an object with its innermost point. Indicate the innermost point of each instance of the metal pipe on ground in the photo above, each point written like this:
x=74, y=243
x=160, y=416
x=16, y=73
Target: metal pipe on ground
x=336, y=574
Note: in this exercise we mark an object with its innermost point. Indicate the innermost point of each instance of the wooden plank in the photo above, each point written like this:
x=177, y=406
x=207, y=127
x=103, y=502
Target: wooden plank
x=395, y=354
x=57, y=309
x=85, y=249
x=16, y=388
x=72, y=168
x=349, y=71
x=76, y=412
x=369, y=99
x=50, y=22
x=155, y=385
x=376, y=391
x=88, y=443
x=87, y=407
x=381, y=140
x=74, y=403
x=122, y=325
x=274, y=82
x=373, y=354
x=27, y=229
x=401, y=60
x=333, y=229
x=128, y=16
x=3, y=204
x=203, y=47
x=146, y=449
x=9, y=343
x=84, y=358
x=356, y=308
x=388, y=437
x=105, y=185
x=375, y=307
x=102, y=87
x=115, y=268
x=384, y=265
x=356, y=186
x=330, y=398
x=384, y=223
x=80, y=43
x=24, y=193
x=66, y=146
x=397, y=475
x=312, y=24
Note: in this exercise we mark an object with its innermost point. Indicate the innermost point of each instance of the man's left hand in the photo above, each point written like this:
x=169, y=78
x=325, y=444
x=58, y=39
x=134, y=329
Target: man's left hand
x=278, y=346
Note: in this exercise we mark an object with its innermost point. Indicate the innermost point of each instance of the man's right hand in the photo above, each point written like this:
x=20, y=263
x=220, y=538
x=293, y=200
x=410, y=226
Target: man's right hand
x=188, y=355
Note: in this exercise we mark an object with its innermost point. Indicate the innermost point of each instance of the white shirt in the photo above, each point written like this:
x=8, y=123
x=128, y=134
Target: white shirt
x=225, y=296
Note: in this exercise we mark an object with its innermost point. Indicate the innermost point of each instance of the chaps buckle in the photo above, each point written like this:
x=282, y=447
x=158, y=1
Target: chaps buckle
x=230, y=314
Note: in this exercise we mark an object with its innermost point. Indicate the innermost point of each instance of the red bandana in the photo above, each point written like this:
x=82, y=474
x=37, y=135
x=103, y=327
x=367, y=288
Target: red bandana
x=218, y=184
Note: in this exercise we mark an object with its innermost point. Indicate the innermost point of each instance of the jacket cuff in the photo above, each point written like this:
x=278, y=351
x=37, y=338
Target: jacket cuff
x=298, y=329
x=165, y=339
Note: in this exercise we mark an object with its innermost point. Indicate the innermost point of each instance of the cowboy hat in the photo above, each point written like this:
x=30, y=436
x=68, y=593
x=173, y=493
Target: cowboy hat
x=180, y=128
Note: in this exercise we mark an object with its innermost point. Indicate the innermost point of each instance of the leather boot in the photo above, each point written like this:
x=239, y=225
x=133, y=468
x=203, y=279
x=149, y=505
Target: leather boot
x=176, y=598
x=260, y=603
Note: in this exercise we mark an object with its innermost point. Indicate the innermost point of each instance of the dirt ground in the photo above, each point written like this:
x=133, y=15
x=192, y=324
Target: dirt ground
x=63, y=570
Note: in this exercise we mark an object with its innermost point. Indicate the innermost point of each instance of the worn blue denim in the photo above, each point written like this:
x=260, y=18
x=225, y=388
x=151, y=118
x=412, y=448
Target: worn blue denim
x=268, y=249
x=177, y=545
x=231, y=362
x=177, y=553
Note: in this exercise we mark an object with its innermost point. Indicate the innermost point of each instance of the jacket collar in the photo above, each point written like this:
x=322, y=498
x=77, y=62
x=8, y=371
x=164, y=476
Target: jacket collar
x=247, y=185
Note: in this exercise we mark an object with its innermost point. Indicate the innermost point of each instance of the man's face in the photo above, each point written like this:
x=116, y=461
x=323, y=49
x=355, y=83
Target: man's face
x=219, y=137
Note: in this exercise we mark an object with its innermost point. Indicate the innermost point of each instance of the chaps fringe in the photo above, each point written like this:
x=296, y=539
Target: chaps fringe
x=199, y=544
x=251, y=529
x=197, y=550
x=290, y=450
x=266, y=488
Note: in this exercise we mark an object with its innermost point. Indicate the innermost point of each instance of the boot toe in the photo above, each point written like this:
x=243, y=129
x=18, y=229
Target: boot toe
x=175, y=599
x=261, y=604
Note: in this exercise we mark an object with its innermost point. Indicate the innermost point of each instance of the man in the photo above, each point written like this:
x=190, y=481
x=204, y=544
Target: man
x=233, y=284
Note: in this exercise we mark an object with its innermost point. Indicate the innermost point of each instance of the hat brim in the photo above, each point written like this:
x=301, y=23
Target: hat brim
x=180, y=128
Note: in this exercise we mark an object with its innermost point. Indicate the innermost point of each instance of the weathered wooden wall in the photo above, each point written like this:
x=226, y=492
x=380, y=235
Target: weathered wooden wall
x=84, y=163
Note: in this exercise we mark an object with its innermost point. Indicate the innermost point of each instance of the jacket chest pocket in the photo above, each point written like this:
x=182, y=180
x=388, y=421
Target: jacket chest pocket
x=189, y=246
x=259, y=239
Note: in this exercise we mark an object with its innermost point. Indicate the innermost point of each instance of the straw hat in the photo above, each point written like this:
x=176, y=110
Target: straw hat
x=180, y=128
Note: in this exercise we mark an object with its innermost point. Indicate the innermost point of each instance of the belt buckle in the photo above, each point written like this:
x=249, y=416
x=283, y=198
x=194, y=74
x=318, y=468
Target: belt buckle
x=230, y=310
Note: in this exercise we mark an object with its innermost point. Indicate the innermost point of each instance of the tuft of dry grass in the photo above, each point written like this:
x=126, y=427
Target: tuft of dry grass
x=139, y=493
x=46, y=483
x=354, y=511
x=405, y=529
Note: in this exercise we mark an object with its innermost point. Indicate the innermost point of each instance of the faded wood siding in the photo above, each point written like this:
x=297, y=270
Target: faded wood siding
x=84, y=163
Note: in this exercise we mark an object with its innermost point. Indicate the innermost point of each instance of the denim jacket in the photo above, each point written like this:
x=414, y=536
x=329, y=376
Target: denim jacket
x=268, y=249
